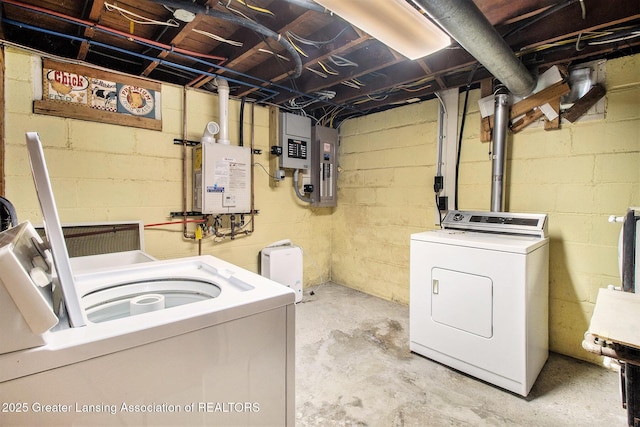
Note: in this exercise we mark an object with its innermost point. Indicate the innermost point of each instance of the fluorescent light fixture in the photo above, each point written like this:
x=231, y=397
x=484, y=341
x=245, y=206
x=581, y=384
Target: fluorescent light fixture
x=393, y=22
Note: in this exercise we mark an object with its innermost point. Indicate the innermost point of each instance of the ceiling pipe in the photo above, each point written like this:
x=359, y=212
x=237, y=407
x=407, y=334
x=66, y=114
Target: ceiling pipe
x=466, y=24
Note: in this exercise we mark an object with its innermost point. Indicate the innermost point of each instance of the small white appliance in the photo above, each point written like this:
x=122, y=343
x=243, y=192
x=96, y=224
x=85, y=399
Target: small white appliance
x=478, y=296
x=192, y=341
x=282, y=262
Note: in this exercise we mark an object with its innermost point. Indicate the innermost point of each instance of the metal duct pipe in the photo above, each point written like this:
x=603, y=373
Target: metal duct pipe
x=470, y=28
x=501, y=124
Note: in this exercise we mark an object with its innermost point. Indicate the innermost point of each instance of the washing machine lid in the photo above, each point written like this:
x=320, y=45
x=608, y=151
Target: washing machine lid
x=65, y=296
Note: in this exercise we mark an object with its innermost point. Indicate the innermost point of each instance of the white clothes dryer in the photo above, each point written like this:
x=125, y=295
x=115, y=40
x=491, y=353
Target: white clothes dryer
x=193, y=341
x=478, y=296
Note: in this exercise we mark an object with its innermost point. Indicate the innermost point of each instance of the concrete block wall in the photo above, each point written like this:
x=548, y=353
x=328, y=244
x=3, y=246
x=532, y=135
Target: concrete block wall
x=103, y=172
x=578, y=175
x=385, y=193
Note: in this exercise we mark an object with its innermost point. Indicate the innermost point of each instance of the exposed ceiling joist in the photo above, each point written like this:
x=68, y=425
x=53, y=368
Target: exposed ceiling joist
x=342, y=68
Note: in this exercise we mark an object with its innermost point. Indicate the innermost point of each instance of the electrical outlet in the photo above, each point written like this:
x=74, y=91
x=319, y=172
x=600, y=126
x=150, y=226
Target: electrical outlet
x=443, y=203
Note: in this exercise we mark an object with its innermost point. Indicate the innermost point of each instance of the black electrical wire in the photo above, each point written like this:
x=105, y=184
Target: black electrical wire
x=261, y=29
x=464, y=116
x=439, y=211
x=241, y=131
x=541, y=16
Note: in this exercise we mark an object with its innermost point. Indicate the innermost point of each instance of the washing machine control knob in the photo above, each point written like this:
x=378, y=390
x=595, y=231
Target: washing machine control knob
x=458, y=217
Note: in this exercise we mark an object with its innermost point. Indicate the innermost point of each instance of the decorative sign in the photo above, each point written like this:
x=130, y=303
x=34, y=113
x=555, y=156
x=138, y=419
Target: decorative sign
x=104, y=95
x=136, y=100
x=76, y=91
x=65, y=86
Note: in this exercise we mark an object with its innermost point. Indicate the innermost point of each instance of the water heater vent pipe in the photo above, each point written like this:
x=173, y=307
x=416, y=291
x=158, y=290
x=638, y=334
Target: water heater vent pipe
x=223, y=100
x=501, y=124
x=210, y=131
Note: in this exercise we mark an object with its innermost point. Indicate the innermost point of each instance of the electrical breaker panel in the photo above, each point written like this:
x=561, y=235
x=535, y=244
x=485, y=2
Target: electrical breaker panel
x=295, y=140
x=324, y=166
x=221, y=178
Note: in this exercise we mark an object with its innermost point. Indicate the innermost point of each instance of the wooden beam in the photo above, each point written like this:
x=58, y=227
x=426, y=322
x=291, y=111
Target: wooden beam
x=528, y=109
x=555, y=123
x=94, y=16
x=179, y=38
x=81, y=112
x=348, y=42
x=562, y=24
x=583, y=104
x=486, y=89
x=525, y=121
x=544, y=96
x=263, y=70
x=499, y=13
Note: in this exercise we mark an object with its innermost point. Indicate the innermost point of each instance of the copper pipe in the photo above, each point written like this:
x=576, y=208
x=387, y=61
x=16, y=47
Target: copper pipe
x=197, y=221
x=185, y=167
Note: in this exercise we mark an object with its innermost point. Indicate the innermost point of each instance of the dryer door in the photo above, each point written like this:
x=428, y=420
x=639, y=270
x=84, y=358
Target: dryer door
x=463, y=301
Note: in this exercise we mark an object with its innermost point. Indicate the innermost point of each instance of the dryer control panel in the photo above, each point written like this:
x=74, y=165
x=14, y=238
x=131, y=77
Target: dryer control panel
x=498, y=222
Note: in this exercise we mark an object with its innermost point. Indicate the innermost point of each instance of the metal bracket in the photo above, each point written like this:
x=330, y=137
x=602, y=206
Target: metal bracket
x=185, y=142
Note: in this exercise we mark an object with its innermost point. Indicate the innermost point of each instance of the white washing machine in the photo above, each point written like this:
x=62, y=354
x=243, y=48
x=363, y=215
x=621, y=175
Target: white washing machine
x=193, y=341
x=479, y=296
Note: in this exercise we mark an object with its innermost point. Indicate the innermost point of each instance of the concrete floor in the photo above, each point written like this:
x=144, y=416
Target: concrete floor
x=354, y=368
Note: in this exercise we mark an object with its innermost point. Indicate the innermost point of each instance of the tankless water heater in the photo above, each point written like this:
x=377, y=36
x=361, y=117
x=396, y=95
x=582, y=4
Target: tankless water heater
x=221, y=178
